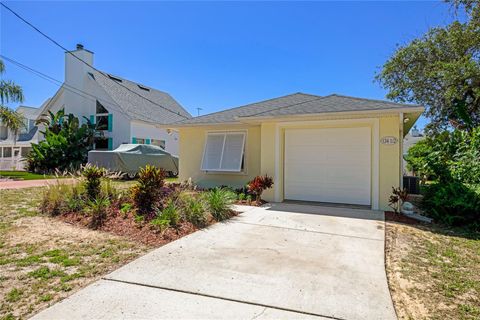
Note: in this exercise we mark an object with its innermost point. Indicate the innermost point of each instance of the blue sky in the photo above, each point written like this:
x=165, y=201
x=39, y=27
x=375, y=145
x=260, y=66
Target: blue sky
x=217, y=55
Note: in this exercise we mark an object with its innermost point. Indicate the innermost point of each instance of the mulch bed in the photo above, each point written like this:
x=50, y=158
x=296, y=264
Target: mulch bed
x=251, y=203
x=398, y=217
x=125, y=225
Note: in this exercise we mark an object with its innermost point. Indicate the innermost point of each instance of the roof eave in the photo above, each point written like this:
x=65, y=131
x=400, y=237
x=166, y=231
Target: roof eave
x=259, y=119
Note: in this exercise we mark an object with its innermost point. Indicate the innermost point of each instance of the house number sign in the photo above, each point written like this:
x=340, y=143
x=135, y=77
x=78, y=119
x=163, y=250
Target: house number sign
x=388, y=140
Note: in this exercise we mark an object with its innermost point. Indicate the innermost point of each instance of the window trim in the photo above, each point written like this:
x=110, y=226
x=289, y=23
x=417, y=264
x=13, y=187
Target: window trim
x=226, y=171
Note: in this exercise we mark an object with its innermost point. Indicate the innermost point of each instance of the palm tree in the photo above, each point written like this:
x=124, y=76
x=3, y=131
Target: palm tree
x=10, y=92
x=13, y=120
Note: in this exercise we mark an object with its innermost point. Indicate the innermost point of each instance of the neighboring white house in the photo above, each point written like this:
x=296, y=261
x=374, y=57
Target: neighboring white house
x=409, y=141
x=123, y=111
x=11, y=151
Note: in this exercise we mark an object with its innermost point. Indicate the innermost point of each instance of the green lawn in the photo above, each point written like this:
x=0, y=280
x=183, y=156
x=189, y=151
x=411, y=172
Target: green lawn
x=23, y=175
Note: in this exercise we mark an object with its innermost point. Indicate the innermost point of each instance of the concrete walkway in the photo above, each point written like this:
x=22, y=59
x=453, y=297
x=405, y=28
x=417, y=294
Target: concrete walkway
x=285, y=262
x=21, y=184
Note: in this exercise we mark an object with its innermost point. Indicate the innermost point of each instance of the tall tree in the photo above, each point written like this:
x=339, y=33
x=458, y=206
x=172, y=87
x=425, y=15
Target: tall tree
x=10, y=92
x=441, y=71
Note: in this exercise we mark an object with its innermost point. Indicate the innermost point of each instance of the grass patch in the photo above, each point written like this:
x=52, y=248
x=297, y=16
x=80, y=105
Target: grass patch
x=23, y=175
x=42, y=260
x=434, y=272
x=13, y=295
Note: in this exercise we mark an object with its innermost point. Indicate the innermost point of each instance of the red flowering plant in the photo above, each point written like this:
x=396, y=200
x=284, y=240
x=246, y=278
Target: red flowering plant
x=258, y=185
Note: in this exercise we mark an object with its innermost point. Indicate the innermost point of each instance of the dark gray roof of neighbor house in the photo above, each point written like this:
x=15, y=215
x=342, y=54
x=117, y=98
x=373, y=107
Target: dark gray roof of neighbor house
x=230, y=115
x=161, y=108
x=297, y=104
x=29, y=112
x=27, y=136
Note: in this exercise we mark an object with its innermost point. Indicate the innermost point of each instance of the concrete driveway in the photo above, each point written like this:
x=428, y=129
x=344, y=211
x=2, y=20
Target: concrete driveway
x=285, y=262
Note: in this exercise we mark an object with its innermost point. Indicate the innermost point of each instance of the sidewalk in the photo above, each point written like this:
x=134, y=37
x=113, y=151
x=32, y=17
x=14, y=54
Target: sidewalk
x=20, y=184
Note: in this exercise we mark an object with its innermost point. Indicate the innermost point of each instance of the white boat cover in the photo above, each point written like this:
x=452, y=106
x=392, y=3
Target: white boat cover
x=129, y=158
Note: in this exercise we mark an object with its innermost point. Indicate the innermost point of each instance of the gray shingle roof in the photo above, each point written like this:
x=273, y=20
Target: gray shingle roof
x=296, y=104
x=29, y=112
x=137, y=108
x=231, y=115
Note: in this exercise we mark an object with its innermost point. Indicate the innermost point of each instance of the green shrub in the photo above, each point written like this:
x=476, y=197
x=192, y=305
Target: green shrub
x=170, y=213
x=453, y=203
x=93, y=179
x=76, y=200
x=65, y=146
x=160, y=223
x=218, y=202
x=194, y=211
x=98, y=210
x=147, y=194
x=125, y=208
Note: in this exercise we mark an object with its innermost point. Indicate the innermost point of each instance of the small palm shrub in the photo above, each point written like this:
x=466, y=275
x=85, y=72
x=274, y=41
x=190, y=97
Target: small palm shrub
x=218, y=202
x=93, y=179
x=194, y=211
x=98, y=210
x=258, y=185
x=147, y=194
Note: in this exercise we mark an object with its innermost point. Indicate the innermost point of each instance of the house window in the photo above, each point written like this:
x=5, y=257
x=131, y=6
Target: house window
x=102, y=123
x=158, y=143
x=101, y=119
x=101, y=143
x=224, y=152
x=25, y=151
x=100, y=108
x=7, y=152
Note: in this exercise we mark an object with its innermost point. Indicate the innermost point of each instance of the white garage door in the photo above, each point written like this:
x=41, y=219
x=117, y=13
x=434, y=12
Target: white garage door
x=328, y=165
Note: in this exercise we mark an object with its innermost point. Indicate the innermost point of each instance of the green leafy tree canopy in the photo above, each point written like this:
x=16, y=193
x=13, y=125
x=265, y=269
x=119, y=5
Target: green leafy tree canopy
x=441, y=71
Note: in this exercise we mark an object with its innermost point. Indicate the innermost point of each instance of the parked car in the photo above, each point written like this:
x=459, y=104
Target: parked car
x=129, y=158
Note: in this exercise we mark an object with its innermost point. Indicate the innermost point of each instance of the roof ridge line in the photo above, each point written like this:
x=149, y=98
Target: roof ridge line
x=377, y=100
x=244, y=105
x=279, y=108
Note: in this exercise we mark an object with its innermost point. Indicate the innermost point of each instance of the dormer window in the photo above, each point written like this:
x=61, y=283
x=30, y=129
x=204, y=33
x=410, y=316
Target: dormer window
x=115, y=78
x=143, y=88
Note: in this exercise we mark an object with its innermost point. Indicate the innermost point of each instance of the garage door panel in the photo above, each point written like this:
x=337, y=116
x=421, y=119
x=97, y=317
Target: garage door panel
x=328, y=165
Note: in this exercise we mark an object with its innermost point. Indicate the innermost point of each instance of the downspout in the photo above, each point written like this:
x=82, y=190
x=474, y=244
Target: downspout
x=400, y=141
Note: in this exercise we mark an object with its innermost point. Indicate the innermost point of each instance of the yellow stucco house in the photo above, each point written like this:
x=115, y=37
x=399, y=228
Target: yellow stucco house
x=334, y=148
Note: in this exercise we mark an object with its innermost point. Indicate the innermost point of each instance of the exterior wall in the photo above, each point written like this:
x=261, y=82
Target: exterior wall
x=192, y=143
x=389, y=160
x=147, y=131
x=266, y=146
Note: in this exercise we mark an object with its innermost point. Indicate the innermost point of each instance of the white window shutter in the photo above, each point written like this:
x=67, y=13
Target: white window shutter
x=233, y=152
x=224, y=152
x=212, y=156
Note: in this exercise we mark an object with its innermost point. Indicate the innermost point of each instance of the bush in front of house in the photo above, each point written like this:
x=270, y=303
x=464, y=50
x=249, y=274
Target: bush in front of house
x=148, y=192
x=453, y=203
x=65, y=146
x=452, y=160
x=218, y=202
x=193, y=209
x=258, y=185
x=93, y=178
